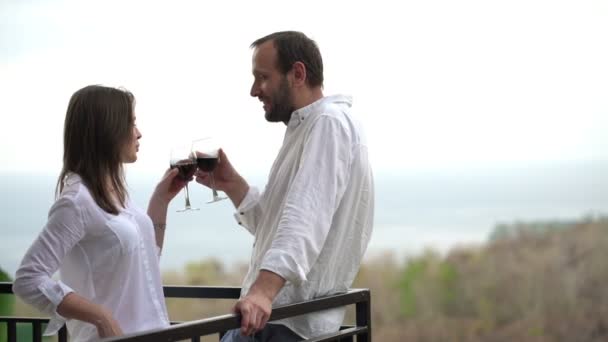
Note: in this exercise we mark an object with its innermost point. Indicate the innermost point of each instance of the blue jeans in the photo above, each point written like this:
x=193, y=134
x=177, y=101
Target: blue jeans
x=270, y=333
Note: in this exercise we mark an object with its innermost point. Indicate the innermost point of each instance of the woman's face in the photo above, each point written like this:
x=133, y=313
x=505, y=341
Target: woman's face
x=129, y=153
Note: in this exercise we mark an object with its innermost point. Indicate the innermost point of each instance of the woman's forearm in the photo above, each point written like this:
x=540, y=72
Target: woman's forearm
x=157, y=211
x=74, y=306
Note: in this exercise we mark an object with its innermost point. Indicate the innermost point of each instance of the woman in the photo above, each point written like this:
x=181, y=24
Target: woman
x=106, y=248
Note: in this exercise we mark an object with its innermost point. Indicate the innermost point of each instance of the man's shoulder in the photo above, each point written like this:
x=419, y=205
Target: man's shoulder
x=341, y=117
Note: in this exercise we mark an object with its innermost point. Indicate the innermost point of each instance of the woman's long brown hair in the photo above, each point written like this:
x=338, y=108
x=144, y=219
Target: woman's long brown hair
x=98, y=124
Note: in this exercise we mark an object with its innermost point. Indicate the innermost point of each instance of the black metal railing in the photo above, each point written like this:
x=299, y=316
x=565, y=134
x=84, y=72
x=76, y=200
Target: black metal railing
x=218, y=325
x=36, y=323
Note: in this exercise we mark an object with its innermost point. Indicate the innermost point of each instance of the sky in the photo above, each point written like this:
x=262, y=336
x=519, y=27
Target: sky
x=436, y=83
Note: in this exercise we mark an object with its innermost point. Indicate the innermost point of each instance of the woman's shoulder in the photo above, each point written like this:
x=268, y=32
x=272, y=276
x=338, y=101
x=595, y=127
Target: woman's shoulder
x=76, y=201
x=74, y=190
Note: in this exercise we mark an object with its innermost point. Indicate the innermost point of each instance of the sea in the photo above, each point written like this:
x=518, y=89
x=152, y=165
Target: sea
x=415, y=210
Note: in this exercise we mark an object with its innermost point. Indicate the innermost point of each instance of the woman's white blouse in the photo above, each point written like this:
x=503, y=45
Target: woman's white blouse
x=112, y=260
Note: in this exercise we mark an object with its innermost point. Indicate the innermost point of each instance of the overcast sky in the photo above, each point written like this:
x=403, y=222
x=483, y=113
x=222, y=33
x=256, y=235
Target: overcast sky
x=436, y=83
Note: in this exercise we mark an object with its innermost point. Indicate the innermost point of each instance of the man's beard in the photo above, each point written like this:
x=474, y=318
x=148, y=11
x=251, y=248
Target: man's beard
x=281, y=105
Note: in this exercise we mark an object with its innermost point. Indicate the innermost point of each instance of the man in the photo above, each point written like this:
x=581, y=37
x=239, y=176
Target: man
x=314, y=219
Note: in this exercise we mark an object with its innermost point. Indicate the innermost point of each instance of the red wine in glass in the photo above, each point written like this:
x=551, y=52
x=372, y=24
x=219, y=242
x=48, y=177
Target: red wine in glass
x=186, y=169
x=206, y=164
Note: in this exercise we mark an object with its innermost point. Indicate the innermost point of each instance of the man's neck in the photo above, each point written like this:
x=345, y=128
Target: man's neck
x=307, y=97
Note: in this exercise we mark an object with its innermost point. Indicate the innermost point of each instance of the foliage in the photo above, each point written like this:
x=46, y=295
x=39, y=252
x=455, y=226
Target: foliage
x=533, y=284
x=529, y=285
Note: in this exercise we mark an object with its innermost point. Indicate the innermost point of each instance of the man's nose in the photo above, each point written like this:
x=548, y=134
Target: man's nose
x=255, y=90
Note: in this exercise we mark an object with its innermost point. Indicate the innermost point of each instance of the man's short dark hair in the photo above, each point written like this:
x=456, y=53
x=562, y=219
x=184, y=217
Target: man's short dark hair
x=293, y=46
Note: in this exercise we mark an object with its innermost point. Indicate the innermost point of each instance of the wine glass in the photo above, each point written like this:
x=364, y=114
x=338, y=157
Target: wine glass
x=183, y=159
x=207, y=152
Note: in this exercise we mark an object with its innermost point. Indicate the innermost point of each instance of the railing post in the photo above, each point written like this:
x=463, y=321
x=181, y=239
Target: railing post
x=363, y=317
x=11, y=328
x=37, y=331
x=63, y=334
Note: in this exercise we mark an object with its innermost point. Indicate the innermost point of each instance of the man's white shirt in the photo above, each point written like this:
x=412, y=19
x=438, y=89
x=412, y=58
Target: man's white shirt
x=313, y=222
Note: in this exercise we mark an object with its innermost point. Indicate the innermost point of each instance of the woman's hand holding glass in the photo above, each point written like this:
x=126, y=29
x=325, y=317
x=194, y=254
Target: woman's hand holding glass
x=168, y=187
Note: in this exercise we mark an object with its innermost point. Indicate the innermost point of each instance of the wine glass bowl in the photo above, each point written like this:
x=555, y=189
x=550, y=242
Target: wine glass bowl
x=206, y=162
x=186, y=168
x=206, y=151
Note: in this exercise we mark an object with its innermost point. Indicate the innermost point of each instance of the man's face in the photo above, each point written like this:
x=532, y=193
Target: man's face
x=269, y=85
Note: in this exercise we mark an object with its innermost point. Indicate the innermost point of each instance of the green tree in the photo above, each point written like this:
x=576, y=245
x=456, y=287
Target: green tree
x=431, y=278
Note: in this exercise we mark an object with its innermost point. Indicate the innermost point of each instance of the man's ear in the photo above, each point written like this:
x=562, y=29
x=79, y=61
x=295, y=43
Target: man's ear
x=299, y=73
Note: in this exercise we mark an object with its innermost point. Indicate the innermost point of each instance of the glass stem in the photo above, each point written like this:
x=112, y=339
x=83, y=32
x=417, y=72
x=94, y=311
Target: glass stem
x=187, y=197
x=215, y=195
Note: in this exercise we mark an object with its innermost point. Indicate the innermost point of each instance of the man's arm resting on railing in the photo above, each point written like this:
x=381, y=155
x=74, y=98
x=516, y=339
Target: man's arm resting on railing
x=256, y=306
x=77, y=307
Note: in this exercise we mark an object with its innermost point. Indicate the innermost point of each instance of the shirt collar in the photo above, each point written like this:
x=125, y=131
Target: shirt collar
x=300, y=115
x=71, y=178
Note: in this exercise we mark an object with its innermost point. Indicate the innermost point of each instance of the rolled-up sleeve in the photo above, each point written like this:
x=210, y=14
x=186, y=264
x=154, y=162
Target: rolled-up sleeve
x=249, y=211
x=33, y=281
x=311, y=201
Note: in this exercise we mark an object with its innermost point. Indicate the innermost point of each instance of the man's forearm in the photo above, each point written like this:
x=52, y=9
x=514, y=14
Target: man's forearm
x=267, y=284
x=237, y=191
x=255, y=308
